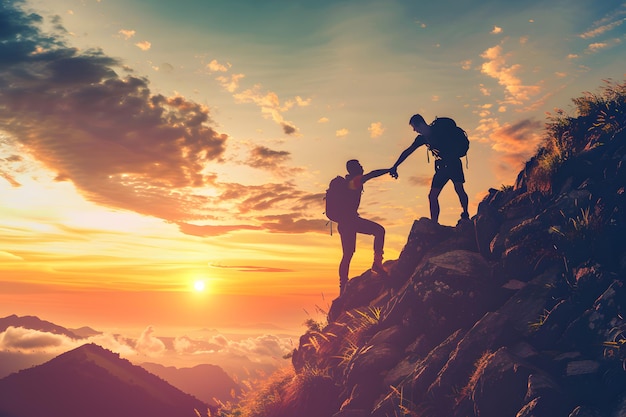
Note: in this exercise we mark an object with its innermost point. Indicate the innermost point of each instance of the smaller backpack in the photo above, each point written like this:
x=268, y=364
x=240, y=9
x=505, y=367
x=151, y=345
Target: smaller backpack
x=337, y=199
x=447, y=139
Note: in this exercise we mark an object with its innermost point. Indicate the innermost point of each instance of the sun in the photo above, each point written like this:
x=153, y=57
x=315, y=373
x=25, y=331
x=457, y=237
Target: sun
x=199, y=286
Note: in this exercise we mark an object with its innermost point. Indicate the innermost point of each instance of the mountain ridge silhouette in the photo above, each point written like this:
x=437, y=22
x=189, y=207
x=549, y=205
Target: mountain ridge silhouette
x=35, y=323
x=91, y=380
x=209, y=383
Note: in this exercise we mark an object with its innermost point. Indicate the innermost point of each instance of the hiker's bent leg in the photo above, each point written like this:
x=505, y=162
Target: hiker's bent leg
x=379, y=238
x=433, y=200
x=369, y=227
x=460, y=190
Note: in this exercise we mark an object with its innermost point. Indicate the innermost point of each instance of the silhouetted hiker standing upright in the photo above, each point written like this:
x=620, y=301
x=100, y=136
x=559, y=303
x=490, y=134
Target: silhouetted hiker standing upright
x=343, y=198
x=448, y=143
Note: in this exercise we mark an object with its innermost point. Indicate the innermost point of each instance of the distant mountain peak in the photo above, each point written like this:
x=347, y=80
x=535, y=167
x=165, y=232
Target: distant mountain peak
x=35, y=323
x=72, y=384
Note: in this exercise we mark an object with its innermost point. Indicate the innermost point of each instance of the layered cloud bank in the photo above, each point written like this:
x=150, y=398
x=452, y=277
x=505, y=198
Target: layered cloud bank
x=234, y=354
x=90, y=120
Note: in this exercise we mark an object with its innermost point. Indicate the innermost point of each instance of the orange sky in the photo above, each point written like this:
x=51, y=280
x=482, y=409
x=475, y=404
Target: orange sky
x=143, y=149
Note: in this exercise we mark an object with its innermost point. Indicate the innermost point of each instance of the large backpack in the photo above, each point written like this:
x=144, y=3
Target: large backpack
x=338, y=204
x=447, y=140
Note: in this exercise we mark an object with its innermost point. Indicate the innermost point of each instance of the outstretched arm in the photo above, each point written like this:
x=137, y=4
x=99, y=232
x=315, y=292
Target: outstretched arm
x=404, y=155
x=374, y=174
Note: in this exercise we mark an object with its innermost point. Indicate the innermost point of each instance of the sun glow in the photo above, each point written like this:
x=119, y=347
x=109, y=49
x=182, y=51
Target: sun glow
x=199, y=286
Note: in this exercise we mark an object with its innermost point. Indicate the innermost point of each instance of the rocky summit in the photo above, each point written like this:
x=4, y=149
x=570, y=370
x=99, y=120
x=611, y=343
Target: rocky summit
x=517, y=312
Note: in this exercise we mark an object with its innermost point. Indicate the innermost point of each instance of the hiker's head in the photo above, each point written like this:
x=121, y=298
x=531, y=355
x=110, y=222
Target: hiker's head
x=418, y=124
x=354, y=167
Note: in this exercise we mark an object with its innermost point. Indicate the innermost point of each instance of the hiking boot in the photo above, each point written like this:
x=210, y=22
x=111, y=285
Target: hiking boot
x=378, y=267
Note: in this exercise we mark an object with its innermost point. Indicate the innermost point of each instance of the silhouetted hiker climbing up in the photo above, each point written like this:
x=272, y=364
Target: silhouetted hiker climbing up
x=343, y=198
x=448, y=144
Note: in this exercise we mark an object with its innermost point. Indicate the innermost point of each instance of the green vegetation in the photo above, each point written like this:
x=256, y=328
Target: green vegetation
x=598, y=119
x=365, y=318
x=264, y=399
x=402, y=406
x=537, y=324
x=318, y=323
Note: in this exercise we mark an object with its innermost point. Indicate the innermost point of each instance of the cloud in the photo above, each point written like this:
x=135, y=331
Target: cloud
x=496, y=30
x=262, y=197
x=257, y=348
x=250, y=268
x=270, y=105
x=143, y=45
x=604, y=25
x=519, y=137
x=599, y=46
x=183, y=344
x=213, y=230
x=235, y=354
x=614, y=19
x=269, y=346
x=421, y=181
x=230, y=83
x=288, y=128
x=149, y=345
x=485, y=110
x=215, y=66
x=484, y=90
x=514, y=143
x=299, y=101
x=496, y=66
x=20, y=339
x=10, y=256
x=89, y=120
x=376, y=129
x=262, y=157
x=166, y=68
x=10, y=179
x=341, y=133
x=289, y=223
x=126, y=33
x=265, y=345
x=120, y=144
x=29, y=341
x=268, y=101
x=323, y=120
x=248, y=202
